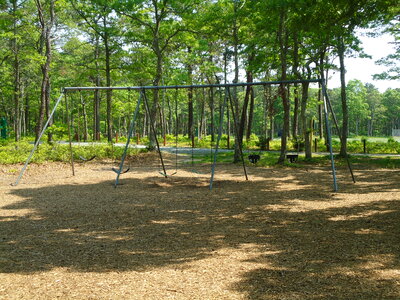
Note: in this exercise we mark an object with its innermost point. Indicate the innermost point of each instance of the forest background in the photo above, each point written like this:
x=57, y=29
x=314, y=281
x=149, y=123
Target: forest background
x=46, y=45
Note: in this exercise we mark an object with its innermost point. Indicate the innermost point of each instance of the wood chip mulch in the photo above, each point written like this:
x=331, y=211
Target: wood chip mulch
x=281, y=235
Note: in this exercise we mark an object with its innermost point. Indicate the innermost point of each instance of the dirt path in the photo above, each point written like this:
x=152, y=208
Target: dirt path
x=281, y=235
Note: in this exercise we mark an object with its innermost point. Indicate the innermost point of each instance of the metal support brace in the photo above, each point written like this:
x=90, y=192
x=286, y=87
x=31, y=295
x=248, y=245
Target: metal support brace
x=218, y=139
x=154, y=131
x=235, y=121
x=69, y=137
x=340, y=135
x=131, y=131
x=38, y=140
x=329, y=136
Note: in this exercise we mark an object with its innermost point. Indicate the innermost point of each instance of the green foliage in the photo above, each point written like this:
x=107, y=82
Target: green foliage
x=156, y=38
x=390, y=147
x=297, y=143
x=17, y=152
x=263, y=142
x=59, y=131
x=13, y=153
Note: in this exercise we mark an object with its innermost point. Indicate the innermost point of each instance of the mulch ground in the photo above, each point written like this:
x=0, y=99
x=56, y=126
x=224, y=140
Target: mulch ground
x=281, y=235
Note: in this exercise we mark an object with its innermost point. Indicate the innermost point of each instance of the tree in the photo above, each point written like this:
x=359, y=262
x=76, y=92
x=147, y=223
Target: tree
x=17, y=59
x=100, y=18
x=46, y=15
x=155, y=24
x=374, y=101
x=358, y=106
x=391, y=101
x=392, y=60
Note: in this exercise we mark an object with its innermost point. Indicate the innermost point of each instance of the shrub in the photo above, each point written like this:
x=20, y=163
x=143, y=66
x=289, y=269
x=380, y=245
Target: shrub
x=263, y=142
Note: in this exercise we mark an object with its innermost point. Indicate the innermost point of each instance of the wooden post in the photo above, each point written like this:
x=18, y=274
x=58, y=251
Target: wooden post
x=365, y=145
x=316, y=144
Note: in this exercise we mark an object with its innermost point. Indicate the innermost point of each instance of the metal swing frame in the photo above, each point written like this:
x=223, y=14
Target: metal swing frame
x=142, y=96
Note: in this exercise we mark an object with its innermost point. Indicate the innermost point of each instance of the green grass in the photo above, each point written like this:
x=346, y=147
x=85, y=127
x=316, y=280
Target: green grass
x=381, y=162
x=269, y=159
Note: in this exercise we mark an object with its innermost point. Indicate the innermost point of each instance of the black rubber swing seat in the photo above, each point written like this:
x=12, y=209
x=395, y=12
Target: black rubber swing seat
x=254, y=158
x=292, y=157
x=122, y=172
x=86, y=160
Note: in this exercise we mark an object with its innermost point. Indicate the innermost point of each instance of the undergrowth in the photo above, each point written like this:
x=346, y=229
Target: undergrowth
x=17, y=152
x=14, y=153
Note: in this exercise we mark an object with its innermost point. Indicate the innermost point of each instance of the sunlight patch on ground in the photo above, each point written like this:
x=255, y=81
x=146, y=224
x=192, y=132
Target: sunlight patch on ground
x=364, y=214
x=298, y=205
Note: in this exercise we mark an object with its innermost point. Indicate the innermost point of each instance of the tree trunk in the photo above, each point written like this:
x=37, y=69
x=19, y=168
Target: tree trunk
x=251, y=115
x=202, y=115
x=283, y=38
x=144, y=124
x=235, y=100
x=85, y=122
x=27, y=110
x=251, y=95
x=371, y=123
x=345, y=111
x=305, y=129
x=170, y=115
x=156, y=94
x=96, y=102
x=45, y=46
x=108, y=82
x=265, y=113
x=295, y=125
x=49, y=135
x=16, y=66
x=17, y=127
x=320, y=67
x=271, y=114
x=212, y=115
x=296, y=91
x=190, y=100
x=228, y=127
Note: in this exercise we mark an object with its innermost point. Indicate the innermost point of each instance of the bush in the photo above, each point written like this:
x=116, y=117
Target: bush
x=298, y=143
x=18, y=152
x=263, y=142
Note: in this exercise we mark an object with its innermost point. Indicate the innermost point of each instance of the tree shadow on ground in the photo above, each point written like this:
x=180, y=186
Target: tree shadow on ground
x=314, y=244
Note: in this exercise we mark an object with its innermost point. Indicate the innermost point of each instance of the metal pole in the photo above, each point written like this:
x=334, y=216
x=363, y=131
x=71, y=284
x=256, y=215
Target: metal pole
x=38, y=140
x=69, y=136
x=222, y=85
x=237, y=135
x=154, y=131
x=218, y=139
x=328, y=133
x=131, y=130
x=340, y=135
x=176, y=132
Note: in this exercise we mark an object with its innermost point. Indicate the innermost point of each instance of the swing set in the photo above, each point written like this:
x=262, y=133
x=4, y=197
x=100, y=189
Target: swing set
x=227, y=101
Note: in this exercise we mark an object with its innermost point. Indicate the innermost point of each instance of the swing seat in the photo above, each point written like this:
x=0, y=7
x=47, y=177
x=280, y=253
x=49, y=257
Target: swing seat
x=122, y=172
x=86, y=160
x=163, y=174
x=254, y=158
x=292, y=157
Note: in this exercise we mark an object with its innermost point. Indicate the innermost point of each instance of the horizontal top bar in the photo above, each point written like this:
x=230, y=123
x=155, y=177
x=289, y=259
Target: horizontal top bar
x=162, y=87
